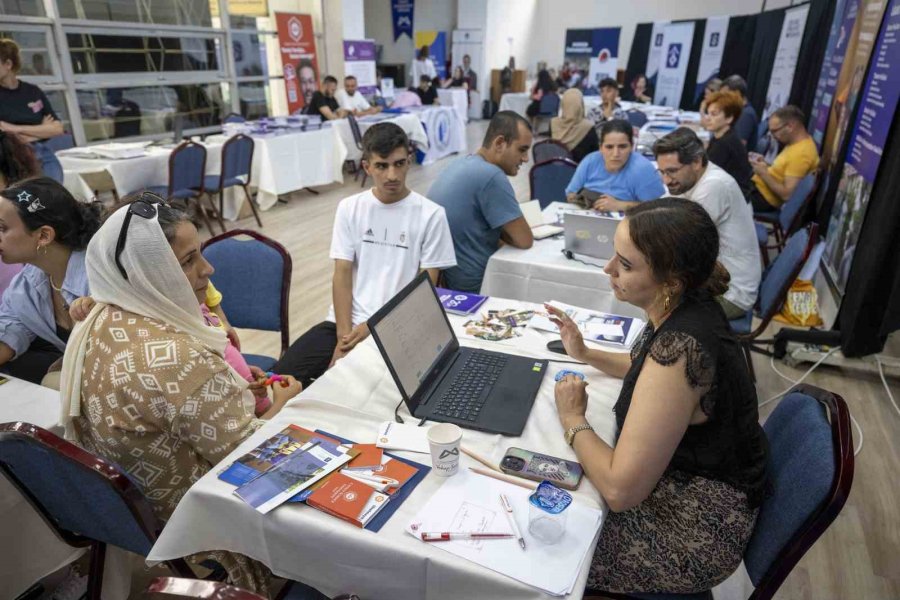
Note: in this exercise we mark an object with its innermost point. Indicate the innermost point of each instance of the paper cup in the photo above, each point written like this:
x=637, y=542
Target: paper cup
x=443, y=440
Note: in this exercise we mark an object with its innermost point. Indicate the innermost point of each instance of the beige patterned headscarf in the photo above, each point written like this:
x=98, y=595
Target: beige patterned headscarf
x=571, y=126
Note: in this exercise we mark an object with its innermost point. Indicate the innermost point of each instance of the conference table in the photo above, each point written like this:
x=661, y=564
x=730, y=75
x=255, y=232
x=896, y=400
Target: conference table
x=542, y=273
x=351, y=400
x=457, y=98
x=284, y=160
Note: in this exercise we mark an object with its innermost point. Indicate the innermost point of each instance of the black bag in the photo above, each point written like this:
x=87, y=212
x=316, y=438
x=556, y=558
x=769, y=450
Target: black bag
x=488, y=109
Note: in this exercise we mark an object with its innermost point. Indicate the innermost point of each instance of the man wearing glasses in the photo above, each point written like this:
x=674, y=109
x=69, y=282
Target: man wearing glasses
x=799, y=157
x=687, y=173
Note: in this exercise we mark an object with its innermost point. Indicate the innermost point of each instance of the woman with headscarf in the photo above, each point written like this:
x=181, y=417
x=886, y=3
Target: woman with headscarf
x=572, y=129
x=144, y=381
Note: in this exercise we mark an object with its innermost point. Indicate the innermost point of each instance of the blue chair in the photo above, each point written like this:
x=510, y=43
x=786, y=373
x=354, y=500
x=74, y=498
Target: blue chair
x=356, y=169
x=108, y=508
x=811, y=467
x=787, y=220
x=544, y=151
x=774, y=286
x=549, y=180
x=637, y=118
x=254, y=277
x=187, y=168
x=237, y=164
x=234, y=118
x=547, y=109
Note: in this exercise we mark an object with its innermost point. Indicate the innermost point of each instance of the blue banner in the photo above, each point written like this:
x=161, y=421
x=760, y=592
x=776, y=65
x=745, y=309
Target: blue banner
x=841, y=26
x=593, y=53
x=402, y=17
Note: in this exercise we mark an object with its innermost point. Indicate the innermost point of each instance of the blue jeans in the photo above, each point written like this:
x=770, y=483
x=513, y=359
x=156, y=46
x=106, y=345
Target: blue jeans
x=49, y=163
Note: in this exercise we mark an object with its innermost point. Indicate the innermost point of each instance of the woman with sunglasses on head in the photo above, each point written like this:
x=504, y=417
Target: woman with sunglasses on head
x=172, y=407
x=43, y=226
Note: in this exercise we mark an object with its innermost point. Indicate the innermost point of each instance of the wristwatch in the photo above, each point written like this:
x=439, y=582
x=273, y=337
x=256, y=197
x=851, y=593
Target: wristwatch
x=570, y=433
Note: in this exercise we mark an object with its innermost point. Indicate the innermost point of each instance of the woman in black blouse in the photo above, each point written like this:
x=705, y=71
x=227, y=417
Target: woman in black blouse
x=687, y=474
x=26, y=112
x=726, y=150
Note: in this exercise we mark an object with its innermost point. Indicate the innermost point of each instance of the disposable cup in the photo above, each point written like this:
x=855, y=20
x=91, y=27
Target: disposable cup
x=443, y=440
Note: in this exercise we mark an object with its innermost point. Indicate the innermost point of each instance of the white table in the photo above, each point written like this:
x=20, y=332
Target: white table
x=304, y=544
x=457, y=98
x=283, y=162
x=515, y=101
x=542, y=273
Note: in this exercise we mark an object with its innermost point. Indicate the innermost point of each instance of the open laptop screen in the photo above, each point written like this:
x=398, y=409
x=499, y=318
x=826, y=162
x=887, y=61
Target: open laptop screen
x=413, y=335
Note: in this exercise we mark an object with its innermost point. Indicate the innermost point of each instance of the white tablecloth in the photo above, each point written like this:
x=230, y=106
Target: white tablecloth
x=302, y=543
x=456, y=97
x=282, y=163
x=409, y=123
x=515, y=101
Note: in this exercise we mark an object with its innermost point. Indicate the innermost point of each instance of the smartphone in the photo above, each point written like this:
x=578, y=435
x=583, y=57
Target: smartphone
x=538, y=467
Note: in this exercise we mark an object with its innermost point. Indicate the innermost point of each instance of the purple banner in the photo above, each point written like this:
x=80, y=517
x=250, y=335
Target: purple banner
x=359, y=61
x=841, y=27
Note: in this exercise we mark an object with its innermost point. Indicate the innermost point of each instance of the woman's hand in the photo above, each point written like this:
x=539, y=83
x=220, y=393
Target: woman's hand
x=571, y=336
x=81, y=308
x=357, y=334
x=258, y=385
x=571, y=401
x=282, y=393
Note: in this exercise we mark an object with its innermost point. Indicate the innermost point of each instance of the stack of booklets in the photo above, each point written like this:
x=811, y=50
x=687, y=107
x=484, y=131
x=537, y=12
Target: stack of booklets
x=599, y=327
x=460, y=303
x=354, y=482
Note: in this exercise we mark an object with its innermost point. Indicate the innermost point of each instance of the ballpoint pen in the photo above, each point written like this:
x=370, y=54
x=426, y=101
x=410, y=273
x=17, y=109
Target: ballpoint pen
x=446, y=536
x=511, y=517
x=388, y=481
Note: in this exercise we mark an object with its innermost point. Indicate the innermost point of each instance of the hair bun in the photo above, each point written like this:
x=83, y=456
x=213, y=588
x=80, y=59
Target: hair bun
x=717, y=282
x=91, y=214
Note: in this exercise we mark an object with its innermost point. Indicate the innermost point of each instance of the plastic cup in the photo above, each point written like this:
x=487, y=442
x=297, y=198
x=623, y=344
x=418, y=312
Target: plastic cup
x=443, y=440
x=547, y=514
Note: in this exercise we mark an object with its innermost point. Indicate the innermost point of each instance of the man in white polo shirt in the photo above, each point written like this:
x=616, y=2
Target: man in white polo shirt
x=687, y=173
x=352, y=100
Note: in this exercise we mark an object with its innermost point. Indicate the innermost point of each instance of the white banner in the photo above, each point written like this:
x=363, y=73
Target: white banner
x=711, y=54
x=782, y=78
x=656, y=42
x=676, y=52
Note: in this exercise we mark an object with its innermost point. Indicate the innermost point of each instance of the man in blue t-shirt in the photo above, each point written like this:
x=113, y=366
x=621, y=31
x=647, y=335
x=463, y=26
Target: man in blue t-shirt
x=621, y=176
x=480, y=203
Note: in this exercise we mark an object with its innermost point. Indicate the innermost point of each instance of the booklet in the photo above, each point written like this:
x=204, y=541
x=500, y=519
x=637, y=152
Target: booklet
x=394, y=436
x=300, y=470
x=595, y=326
x=460, y=303
x=369, y=458
x=348, y=499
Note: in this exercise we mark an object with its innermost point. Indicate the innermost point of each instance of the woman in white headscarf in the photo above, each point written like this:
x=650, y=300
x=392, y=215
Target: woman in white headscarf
x=144, y=382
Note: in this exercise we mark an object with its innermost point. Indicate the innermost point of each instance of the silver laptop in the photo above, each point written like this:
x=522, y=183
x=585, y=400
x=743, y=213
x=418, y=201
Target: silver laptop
x=590, y=235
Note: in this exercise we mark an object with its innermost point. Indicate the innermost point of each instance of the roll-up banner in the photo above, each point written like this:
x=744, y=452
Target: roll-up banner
x=836, y=49
x=656, y=43
x=676, y=53
x=711, y=54
x=782, y=79
x=298, y=58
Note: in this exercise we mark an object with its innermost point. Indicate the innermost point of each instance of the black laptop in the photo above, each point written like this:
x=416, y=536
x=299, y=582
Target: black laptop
x=441, y=381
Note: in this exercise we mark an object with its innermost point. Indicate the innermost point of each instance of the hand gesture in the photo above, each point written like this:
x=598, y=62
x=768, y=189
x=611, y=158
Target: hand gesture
x=571, y=336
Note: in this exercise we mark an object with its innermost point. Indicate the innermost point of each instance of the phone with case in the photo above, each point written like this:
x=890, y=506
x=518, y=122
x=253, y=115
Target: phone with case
x=539, y=467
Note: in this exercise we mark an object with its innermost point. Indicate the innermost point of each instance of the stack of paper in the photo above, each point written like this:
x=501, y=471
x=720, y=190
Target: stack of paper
x=470, y=503
x=394, y=436
x=598, y=327
x=119, y=150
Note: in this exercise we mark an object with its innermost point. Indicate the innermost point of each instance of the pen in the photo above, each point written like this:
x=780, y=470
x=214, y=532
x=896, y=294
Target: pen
x=383, y=480
x=447, y=536
x=502, y=477
x=504, y=501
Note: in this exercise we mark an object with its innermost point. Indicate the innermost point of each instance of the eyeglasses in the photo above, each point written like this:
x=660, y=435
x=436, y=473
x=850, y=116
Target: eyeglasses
x=142, y=207
x=671, y=171
x=777, y=129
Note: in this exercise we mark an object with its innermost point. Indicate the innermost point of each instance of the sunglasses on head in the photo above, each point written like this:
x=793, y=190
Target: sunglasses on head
x=144, y=207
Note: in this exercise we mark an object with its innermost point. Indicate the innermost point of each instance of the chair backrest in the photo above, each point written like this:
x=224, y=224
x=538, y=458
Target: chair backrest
x=354, y=129
x=187, y=168
x=254, y=276
x=234, y=118
x=237, y=160
x=108, y=507
x=549, y=180
x=792, y=210
x=543, y=151
x=549, y=105
x=779, y=276
x=637, y=118
x=63, y=141
x=811, y=467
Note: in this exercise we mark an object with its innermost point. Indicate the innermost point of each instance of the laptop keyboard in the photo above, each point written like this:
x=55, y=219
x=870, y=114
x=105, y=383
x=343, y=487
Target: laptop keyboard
x=467, y=394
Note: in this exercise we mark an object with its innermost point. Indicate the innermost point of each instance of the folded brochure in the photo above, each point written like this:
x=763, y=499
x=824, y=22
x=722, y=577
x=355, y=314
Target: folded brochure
x=595, y=326
x=460, y=303
x=348, y=499
x=394, y=436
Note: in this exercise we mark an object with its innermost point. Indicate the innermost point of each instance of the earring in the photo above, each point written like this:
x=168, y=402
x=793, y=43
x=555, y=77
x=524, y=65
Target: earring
x=667, y=302
x=42, y=250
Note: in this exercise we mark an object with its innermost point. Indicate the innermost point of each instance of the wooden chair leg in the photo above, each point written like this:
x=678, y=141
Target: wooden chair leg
x=95, y=572
x=253, y=206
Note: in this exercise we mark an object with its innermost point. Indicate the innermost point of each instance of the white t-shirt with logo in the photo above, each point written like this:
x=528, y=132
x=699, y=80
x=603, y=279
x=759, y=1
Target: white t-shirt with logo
x=720, y=195
x=355, y=102
x=388, y=244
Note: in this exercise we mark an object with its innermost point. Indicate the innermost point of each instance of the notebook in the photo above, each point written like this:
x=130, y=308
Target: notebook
x=535, y=219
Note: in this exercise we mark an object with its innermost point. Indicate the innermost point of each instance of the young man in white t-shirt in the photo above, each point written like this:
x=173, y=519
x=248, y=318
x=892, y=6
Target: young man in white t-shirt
x=382, y=239
x=353, y=101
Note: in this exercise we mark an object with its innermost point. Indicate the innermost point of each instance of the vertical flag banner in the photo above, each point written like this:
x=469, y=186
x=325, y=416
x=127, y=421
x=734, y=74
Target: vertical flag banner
x=656, y=44
x=711, y=53
x=298, y=58
x=782, y=78
x=359, y=61
x=605, y=54
x=876, y=113
x=836, y=49
x=437, y=48
x=402, y=17
x=676, y=52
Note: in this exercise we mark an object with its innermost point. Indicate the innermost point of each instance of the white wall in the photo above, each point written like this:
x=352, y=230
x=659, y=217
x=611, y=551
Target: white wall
x=353, y=19
x=511, y=31
x=429, y=15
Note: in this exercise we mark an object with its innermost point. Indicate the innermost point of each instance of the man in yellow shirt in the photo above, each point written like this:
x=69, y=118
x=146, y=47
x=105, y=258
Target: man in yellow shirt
x=799, y=157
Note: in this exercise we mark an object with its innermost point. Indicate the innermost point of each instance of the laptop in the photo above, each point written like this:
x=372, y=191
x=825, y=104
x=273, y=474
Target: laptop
x=441, y=381
x=535, y=219
x=590, y=235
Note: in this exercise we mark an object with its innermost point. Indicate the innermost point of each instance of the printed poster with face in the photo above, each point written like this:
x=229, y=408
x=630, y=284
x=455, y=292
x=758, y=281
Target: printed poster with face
x=298, y=57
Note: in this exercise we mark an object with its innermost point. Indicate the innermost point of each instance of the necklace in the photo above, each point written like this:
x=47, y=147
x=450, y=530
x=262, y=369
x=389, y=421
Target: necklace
x=59, y=291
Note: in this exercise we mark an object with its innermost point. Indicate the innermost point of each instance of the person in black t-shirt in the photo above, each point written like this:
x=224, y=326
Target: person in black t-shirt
x=426, y=91
x=25, y=110
x=726, y=149
x=324, y=103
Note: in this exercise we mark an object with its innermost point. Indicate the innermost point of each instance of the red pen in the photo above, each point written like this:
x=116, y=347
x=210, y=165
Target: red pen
x=447, y=536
